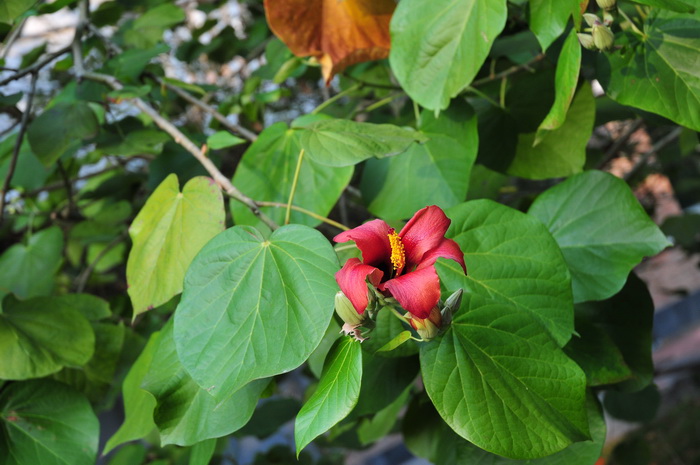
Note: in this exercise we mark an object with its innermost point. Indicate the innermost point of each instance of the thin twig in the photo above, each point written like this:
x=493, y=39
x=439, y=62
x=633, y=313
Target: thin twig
x=83, y=277
x=293, y=190
x=663, y=142
x=188, y=145
x=76, y=44
x=36, y=66
x=509, y=71
x=14, y=35
x=339, y=95
x=18, y=146
x=62, y=184
x=340, y=226
x=67, y=185
x=620, y=141
x=235, y=128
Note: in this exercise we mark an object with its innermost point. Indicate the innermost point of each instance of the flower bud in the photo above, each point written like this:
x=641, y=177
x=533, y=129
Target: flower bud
x=603, y=37
x=346, y=311
x=591, y=19
x=608, y=18
x=427, y=328
x=586, y=41
x=607, y=5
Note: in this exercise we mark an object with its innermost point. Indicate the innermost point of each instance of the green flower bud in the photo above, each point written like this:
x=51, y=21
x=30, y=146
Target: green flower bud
x=607, y=5
x=427, y=328
x=603, y=37
x=608, y=18
x=591, y=19
x=345, y=310
x=586, y=41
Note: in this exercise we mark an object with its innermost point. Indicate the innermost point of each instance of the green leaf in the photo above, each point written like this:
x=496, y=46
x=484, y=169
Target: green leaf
x=127, y=66
x=548, y=19
x=396, y=342
x=511, y=257
x=167, y=233
x=28, y=271
x=426, y=435
x=336, y=395
x=266, y=173
x=659, y=74
x=59, y=127
x=620, y=328
x=674, y=5
x=635, y=407
x=341, y=142
x=434, y=173
x=560, y=152
x=147, y=30
x=138, y=403
x=318, y=356
x=388, y=328
x=49, y=423
x=375, y=428
x=566, y=80
x=438, y=47
x=39, y=336
x=254, y=307
x=11, y=9
x=202, y=452
x=186, y=414
x=393, y=374
x=223, y=139
x=31, y=56
x=602, y=230
x=501, y=382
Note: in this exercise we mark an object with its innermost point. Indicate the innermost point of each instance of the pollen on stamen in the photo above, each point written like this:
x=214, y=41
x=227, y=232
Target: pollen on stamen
x=398, y=256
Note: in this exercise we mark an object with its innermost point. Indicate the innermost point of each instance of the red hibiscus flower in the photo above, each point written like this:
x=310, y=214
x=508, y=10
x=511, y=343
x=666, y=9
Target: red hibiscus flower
x=400, y=265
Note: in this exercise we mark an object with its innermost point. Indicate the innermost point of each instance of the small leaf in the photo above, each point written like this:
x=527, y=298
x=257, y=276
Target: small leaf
x=396, y=342
x=147, y=30
x=11, y=9
x=45, y=422
x=223, y=139
x=57, y=128
x=28, y=271
x=167, y=233
x=254, y=308
x=524, y=397
x=438, y=47
x=336, y=395
x=548, y=19
x=339, y=142
x=388, y=328
x=360, y=30
x=601, y=229
x=566, y=80
x=560, y=152
x=40, y=336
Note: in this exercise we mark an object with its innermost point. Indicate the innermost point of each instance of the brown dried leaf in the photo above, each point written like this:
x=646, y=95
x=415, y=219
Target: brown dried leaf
x=339, y=33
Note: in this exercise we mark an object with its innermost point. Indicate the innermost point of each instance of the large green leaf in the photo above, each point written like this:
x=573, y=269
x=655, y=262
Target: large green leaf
x=59, y=127
x=11, y=9
x=675, y=5
x=513, y=258
x=341, y=142
x=560, y=152
x=548, y=19
x=566, y=80
x=602, y=230
x=335, y=396
x=500, y=381
x=139, y=404
x=615, y=337
x=28, y=271
x=167, y=233
x=434, y=173
x=48, y=423
x=266, y=172
x=147, y=30
x=660, y=73
x=186, y=414
x=438, y=47
x=254, y=307
x=426, y=435
x=40, y=336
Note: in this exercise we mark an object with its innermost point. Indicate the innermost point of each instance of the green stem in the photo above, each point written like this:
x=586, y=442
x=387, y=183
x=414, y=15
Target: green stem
x=629, y=20
x=337, y=96
x=382, y=102
x=484, y=96
x=416, y=113
x=340, y=226
x=502, y=93
x=293, y=190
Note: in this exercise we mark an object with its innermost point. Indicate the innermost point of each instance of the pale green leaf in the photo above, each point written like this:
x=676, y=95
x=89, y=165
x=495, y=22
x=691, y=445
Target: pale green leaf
x=223, y=139
x=166, y=234
x=336, y=395
x=548, y=19
x=601, y=229
x=438, y=47
x=11, y=9
x=674, y=5
x=254, y=307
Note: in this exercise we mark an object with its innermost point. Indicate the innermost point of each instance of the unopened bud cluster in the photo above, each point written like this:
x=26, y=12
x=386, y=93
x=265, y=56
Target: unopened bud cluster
x=601, y=37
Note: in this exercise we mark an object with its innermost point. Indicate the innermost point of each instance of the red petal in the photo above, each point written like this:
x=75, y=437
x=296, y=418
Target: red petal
x=351, y=279
x=418, y=291
x=423, y=232
x=372, y=239
x=447, y=249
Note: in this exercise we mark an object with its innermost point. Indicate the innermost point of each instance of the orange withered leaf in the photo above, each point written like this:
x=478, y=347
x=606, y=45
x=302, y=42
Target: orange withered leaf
x=338, y=33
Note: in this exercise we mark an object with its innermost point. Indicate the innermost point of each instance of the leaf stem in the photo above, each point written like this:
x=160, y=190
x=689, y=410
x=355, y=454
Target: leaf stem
x=484, y=96
x=509, y=71
x=337, y=96
x=293, y=190
x=329, y=221
x=629, y=20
